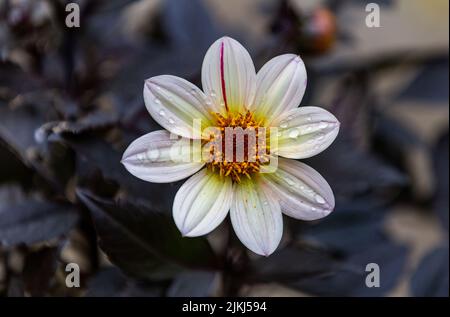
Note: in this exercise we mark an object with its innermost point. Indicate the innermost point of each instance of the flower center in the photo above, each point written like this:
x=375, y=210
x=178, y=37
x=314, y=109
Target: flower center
x=239, y=147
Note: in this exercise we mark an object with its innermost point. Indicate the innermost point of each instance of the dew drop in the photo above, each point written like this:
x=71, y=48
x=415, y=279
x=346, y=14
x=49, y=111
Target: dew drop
x=213, y=94
x=141, y=157
x=156, y=100
x=323, y=125
x=283, y=124
x=320, y=137
x=309, y=118
x=294, y=133
x=319, y=199
x=153, y=154
x=162, y=113
x=171, y=121
x=313, y=209
x=290, y=182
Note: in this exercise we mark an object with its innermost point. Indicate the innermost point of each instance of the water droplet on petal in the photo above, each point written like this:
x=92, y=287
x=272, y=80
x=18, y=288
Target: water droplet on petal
x=140, y=157
x=156, y=100
x=283, y=124
x=294, y=133
x=213, y=94
x=290, y=181
x=153, y=154
x=162, y=113
x=320, y=136
x=309, y=118
x=319, y=199
x=323, y=125
x=171, y=121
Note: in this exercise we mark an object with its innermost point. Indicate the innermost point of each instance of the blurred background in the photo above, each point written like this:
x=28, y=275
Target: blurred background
x=71, y=101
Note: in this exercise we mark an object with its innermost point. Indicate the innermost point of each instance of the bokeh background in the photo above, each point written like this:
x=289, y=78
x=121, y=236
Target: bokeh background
x=71, y=101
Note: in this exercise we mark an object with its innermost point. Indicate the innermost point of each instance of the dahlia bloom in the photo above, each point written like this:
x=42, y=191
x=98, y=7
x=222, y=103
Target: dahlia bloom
x=235, y=96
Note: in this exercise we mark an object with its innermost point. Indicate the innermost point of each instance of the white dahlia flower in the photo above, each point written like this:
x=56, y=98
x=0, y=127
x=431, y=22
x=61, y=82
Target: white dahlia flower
x=266, y=180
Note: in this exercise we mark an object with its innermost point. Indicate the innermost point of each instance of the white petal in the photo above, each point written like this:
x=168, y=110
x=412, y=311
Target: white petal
x=228, y=75
x=156, y=158
x=174, y=103
x=304, y=132
x=256, y=217
x=202, y=203
x=303, y=193
x=281, y=84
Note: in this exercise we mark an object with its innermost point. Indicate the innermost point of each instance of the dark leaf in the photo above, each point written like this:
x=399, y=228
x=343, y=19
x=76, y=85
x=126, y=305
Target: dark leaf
x=16, y=80
x=430, y=85
x=18, y=122
x=16, y=170
x=194, y=284
x=352, y=106
x=110, y=282
x=95, y=154
x=393, y=140
x=359, y=179
x=34, y=221
x=342, y=228
x=431, y=276
x=188, y=25
x=92, y=121
x=11, y=194
x=292, y=264
x=350, y=281
x=142, y=241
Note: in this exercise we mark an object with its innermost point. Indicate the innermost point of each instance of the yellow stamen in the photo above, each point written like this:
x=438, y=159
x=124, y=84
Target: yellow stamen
x=251, y=164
